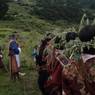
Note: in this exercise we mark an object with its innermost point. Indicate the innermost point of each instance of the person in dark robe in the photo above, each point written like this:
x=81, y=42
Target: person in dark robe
x=42, y=66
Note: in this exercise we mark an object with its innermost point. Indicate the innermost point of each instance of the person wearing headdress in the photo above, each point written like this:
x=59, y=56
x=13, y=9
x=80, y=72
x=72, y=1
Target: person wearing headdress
x=86, y=36
x=13, y=51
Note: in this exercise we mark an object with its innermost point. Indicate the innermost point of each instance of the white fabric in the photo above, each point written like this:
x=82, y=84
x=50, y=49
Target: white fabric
x=17, y=60
x=19, y=49
x=86, y=57
x=18, y=57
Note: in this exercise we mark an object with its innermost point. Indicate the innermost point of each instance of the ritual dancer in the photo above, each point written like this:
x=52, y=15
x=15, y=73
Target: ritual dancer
x=87, y=62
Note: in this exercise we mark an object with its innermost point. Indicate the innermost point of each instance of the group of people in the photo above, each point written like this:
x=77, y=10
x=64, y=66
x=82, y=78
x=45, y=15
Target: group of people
x=62, y=73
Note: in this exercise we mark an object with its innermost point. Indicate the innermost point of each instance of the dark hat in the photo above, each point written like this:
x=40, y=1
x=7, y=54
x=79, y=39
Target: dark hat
x=12, y=37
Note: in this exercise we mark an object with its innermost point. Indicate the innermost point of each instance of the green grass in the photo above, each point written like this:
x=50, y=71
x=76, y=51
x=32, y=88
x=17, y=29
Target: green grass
x=20, y=17
x=28, y=83
x=30, y=30
x=26, y=86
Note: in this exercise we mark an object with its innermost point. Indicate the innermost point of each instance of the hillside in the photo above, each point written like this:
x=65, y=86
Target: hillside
x=21, y=19
x=18, y=20
x=20, y=16
x=29, y=29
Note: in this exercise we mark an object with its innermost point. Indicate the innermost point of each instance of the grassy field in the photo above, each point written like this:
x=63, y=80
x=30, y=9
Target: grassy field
x=30, y=29
x=28, y=83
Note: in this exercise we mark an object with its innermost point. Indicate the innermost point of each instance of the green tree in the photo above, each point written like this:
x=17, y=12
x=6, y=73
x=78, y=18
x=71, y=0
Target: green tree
x=3, y=7
x=59, y=9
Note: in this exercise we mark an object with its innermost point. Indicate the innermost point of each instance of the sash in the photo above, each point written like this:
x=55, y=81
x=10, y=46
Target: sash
x=63, y=61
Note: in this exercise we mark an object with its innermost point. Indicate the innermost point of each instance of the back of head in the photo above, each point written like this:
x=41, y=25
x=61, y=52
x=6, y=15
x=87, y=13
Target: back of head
x=12, y=37
x=43, y=45
x=71, y=36
x=87, y=33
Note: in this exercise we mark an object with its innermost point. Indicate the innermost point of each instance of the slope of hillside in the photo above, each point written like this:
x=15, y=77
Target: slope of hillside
x=19, y=17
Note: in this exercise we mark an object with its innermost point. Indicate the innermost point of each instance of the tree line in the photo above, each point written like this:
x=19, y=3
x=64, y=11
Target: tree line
x=3, y=7
x=71, y=10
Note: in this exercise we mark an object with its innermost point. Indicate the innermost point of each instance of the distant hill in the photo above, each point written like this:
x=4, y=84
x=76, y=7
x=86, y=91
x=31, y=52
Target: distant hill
x=19, y=17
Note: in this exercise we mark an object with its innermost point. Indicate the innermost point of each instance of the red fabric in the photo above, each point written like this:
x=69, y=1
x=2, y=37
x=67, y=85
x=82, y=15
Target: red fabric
x=52, y=67
x=56, y=77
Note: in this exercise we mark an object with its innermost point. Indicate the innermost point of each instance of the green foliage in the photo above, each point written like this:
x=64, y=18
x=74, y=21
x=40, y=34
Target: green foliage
x=5, y=1
x=3, y=9
x=88, y=3
x=27, y=85
x=58, y=9
x=19, y=17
